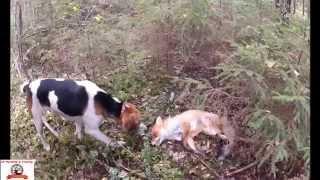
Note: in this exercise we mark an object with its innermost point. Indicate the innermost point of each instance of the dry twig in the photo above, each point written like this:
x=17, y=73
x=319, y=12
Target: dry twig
x=130, y=171
x=243, y=168
x=207, y=166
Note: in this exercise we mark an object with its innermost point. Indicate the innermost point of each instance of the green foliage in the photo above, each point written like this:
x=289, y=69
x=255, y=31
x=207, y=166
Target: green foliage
x=278, y=81
x=187, y=26
x=127, y=85
x=103, y=43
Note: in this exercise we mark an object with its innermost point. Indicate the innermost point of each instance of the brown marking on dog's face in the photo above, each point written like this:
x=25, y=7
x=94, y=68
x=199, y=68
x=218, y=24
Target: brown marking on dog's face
x=99, y=109
x=29, y=102
x=130, y=116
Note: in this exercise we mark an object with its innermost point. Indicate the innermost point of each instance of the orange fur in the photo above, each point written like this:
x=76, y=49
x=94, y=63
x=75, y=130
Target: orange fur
x=189, y=124
x=130, y=117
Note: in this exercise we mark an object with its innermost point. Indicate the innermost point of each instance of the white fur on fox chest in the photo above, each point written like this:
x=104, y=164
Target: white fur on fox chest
x=173, y=130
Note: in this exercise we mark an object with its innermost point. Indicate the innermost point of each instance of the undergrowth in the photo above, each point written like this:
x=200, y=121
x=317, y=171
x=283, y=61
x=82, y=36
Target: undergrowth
x=275, y=68
x=166, y=57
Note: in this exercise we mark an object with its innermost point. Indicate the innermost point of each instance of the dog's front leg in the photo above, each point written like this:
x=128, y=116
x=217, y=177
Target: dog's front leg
x=91, y=127
x=37, y=120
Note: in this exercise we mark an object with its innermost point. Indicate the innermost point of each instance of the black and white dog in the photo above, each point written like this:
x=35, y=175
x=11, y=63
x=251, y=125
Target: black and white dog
x=82, y=102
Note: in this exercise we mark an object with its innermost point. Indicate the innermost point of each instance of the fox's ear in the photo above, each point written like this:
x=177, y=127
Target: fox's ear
x=159, y=120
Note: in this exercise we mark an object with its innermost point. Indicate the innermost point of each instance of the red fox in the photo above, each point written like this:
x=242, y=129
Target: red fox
x=185, y=126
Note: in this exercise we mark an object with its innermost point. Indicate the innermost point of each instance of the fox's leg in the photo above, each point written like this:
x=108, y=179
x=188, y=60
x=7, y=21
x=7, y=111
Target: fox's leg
x=185, y=129
x=188, y=138
x=214, y=131
x=193, y=146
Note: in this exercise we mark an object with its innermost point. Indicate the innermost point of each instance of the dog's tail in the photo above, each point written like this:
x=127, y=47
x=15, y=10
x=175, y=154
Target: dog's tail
x=24, y=88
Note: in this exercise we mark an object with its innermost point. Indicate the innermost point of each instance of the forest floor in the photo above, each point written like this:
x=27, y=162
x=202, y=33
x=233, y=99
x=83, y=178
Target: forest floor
x=88, y=159
x=159, y=86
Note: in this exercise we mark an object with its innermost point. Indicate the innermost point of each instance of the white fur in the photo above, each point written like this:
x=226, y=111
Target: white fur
x=116, y=99
x=89, y=120
x=173, y=130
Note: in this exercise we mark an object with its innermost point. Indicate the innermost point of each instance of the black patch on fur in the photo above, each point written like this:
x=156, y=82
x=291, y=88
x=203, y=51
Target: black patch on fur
x=72, y=98
x=26, y=89
x=111, y=106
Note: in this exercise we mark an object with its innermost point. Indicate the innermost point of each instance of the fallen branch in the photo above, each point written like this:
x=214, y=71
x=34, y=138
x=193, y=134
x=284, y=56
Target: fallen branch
x=213, y=91
x=204, y=83
x=243, y=168
x=247, y=140
x=207, y=166
x=299, y=58
x=130, y=171
x=41, y=30
x=25, y=56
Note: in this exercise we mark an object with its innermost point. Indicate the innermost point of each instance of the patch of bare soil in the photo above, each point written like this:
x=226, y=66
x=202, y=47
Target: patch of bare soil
x=209, y=55
x=169, y=55
x=98, y=171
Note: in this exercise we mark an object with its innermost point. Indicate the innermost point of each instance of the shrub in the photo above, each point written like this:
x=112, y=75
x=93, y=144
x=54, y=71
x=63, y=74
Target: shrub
x=275, y=67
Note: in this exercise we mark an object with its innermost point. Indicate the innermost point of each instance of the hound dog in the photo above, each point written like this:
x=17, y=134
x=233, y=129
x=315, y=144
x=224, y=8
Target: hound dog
x=82, y=102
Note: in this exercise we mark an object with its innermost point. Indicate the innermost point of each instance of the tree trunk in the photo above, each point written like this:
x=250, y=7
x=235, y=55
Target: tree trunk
x=303, y=7
x=18, y=25
x=277, y=3
x=308, y=8
x=288, y=6
x=21, y=69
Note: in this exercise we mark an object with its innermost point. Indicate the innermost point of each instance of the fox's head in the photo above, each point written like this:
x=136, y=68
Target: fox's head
x=157, y=132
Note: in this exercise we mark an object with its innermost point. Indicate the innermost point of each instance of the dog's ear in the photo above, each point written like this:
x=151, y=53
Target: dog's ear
x=125, y=107
x=128, y=107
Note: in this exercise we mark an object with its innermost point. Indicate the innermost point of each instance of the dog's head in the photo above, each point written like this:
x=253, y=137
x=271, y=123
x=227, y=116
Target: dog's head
x=130, y=117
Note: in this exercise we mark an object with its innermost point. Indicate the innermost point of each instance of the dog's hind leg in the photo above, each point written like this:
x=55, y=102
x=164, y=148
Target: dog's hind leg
x=37, y=120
